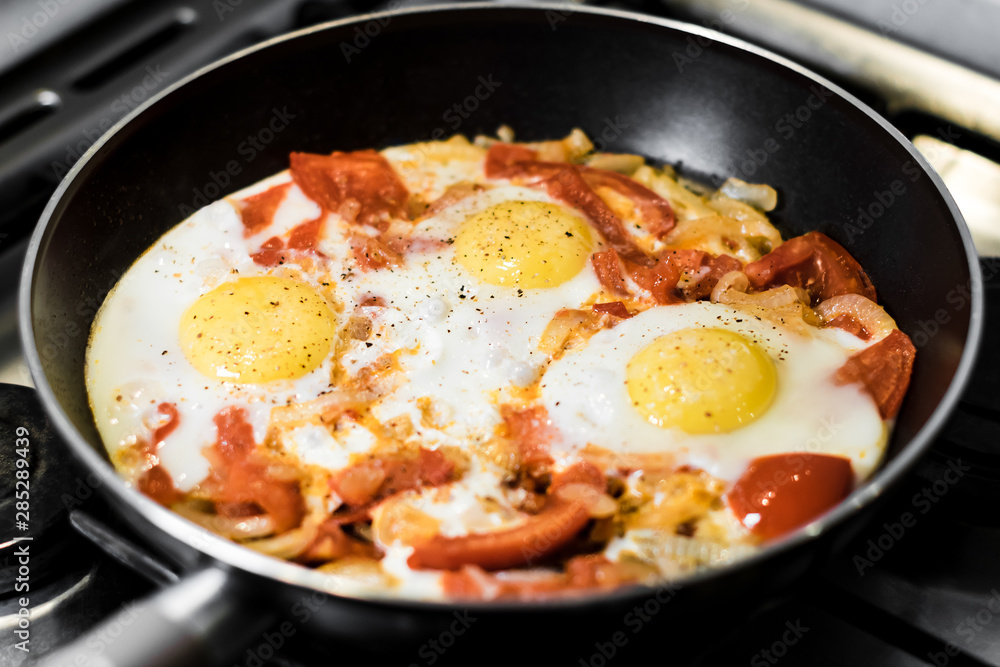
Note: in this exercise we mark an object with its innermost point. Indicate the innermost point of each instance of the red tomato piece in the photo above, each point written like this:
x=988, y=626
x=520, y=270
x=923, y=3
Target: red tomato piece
x=157, y=483
x=257, y=211
x=615, y=308
x=306, y=235
x=716, y=268
x=236, y=478
x=168, y=410
x=271, y=253
x=568, y=185
x=502, y=160
x=659, y=280
x=609, y=272
x=884, y=369
x=851, y=325
x=532, y=431
x=814, y=262
x=780, y=493
x=363, y=179
x=371, y=481
x=553, y=527
x=657, y=214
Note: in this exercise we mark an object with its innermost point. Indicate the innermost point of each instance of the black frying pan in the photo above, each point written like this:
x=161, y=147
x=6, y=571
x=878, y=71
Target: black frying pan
x=677, y=94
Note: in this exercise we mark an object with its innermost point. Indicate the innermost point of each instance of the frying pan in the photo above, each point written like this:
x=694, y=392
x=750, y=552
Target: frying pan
x=711, y=105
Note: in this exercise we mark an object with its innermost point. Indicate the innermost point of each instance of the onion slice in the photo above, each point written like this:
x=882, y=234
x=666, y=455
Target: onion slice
x=234, y=528
x=866, y=312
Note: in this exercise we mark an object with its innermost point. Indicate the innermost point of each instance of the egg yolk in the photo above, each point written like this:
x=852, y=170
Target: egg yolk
x=701, y=381
x=258, y=329
x=524, y=244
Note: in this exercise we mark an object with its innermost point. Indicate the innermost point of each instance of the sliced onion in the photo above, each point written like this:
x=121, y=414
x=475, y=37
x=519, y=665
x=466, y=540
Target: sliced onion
x=760, y=196
x=736, y=280
x=560, y=328
x=776, y=297
x=288, y=545
x=599, y=505
x=234, y=528
x=686, y=204
x=865, y=311
x=664, y=549
x=359, y=328
x=622, y=163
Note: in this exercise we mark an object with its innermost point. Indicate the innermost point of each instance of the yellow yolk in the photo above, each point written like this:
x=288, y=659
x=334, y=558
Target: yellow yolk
x=524, y=244
x=258, y=329
x=701, y=381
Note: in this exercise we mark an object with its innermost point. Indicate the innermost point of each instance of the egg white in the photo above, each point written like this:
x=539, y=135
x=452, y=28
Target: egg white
x=135, y=362
x=465, y=342
x=587, y=399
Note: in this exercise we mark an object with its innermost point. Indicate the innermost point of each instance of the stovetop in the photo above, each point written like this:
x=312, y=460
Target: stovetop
x=920, y=585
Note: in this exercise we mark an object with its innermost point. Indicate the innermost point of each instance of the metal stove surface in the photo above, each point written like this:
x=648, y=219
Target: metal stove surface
x=920, y=585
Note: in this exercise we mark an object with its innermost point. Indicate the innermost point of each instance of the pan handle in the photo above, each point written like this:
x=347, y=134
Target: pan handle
x=206, y=618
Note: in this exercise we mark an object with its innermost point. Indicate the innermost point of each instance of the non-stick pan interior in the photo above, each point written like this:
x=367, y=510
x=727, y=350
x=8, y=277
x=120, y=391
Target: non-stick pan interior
x=709, y=107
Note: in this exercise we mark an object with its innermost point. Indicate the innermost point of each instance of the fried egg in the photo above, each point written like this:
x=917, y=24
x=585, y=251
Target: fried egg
x=714, y=385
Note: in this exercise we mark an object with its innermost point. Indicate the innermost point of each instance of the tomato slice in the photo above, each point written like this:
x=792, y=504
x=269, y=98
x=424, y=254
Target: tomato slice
x=540, y=535
x=884, y=369
x=258, y=211
x=614, y=308
x=657, y=214
x=532, y=431
x=501, y=159
x=157, y=482
x=363, y=179
x=363, y=484
x=814, y=262
x=236, y=477
x=780, y=493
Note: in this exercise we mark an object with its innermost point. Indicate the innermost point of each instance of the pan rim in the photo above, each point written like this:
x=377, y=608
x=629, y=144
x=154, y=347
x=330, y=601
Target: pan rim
x=234, y=556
